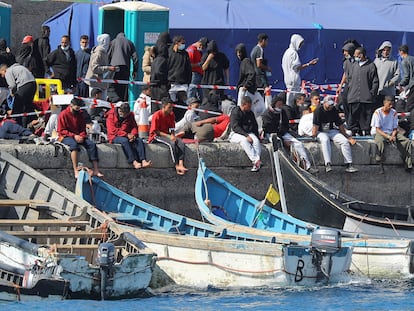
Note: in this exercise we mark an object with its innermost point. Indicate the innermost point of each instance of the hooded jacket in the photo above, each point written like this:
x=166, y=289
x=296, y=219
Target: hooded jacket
x=117, y=126
x=214, y=73
x=122, y=51
x=291, y=62
x=388, y=71
x=99, y=63
x=5, y=57
x=247, y=75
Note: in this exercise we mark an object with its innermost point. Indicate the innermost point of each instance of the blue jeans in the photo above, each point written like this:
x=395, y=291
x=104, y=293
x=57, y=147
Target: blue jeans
x=192, y=89
x=134, y=151
x=11, y=130
x=87, y=143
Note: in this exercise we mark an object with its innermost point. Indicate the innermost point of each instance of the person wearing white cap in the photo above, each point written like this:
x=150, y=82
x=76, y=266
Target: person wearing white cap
x=324, y=119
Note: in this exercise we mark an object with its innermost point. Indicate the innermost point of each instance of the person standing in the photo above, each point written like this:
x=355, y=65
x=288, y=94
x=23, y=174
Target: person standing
x=120, y=54
x=63, y=63
x=262, y=69
x=362, y=92
x=245, y=132
x=291, y=66
x=179, y=68
x=385, y=122
x=22, y=86
x=195, y=53
x=388, y=72
x=147, y=60
x=83, y=56
x=42, y=47
x=406, y=85
x=215, y=65
x=99, y=67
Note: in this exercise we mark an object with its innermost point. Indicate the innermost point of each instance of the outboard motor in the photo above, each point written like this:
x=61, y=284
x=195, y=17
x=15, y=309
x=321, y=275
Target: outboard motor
x=106, y=259
x=324, y=243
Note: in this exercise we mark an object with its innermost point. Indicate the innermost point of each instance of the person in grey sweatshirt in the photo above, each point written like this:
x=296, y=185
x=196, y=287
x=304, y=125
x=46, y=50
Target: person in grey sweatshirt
x=388, y=72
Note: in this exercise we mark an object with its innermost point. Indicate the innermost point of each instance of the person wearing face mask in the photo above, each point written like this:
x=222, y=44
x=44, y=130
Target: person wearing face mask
x=275, y=120
x=362, y=92
x=388, y=72
x=179, y=67
x=122, y=129
x=195, y=52
x=291, y=66
x=71, y=129
x=63, y=63
x=83, y=55
x=99, y=67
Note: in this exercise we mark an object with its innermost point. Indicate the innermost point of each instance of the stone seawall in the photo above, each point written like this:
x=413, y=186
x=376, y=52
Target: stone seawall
x=162, y=187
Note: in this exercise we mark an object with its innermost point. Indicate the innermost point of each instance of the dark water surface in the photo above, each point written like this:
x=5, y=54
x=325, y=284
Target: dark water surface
x=364, y=295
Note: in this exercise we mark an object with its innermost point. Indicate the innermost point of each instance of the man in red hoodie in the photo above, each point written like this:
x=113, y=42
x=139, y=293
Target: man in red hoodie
x=122, y=129
x=72, y=132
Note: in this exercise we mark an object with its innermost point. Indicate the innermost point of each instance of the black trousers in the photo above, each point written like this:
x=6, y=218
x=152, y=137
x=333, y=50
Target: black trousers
x=23, y=102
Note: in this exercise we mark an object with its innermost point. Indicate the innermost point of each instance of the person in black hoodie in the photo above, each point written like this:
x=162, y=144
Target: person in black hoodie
x=179, y=68
x=6, y=57
x=159, y=70
x=247, y=74
x=216, y=68
x=41, y=47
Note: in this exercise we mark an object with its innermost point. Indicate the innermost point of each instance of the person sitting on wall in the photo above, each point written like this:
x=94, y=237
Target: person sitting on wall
x=72, y=132
x=122, y=129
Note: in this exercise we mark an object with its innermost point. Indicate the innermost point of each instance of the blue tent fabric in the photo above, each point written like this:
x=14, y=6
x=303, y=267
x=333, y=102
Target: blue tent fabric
x=324, y=24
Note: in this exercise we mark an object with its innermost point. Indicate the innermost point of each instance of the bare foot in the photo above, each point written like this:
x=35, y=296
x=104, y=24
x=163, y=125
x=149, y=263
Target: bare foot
x=180, y=171
x=146, y=163
x=98, y=174
x=136, y=165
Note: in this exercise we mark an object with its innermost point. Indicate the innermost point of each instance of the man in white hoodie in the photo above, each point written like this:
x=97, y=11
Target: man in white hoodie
x=99, y=65
x=292, y=66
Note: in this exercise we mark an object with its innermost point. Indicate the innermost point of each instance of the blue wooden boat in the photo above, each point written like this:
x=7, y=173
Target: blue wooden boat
x=125, y=208
x=222, y=204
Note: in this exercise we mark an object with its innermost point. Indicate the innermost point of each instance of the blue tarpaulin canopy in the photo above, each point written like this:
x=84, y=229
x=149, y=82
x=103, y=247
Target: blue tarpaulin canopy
x=324, y=24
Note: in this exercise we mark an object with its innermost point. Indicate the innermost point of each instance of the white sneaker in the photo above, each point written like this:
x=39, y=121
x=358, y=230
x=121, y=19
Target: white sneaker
x=256, y=166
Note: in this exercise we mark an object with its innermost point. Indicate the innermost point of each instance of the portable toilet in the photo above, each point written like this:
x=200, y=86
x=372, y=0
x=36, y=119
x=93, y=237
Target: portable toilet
x=5, y=21
x=142, y=22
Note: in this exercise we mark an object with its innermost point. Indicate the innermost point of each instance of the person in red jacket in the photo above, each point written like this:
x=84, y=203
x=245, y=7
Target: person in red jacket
x=122, y=129
x=72, y=132
x=163, y=131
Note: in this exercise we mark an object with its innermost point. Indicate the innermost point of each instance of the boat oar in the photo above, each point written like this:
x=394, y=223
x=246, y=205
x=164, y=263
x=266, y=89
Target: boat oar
x=275, y=144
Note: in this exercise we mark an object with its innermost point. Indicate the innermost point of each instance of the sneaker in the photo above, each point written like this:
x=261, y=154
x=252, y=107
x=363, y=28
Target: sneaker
x=312, y=170
x=256, y=166
x=328, y=167
x=351, y=169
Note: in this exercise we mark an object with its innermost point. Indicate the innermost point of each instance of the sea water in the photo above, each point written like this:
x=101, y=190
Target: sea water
x=364, y=295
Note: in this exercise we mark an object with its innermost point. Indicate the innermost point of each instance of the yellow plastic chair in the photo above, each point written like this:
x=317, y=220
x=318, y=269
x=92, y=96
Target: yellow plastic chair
x=44, y=88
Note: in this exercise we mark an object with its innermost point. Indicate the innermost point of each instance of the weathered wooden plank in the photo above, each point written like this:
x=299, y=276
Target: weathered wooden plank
x=29, y=203
x=42, y=222
x=48, y=234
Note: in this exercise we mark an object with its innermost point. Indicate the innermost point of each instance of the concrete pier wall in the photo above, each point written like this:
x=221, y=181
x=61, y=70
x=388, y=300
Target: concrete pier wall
x=161, y=186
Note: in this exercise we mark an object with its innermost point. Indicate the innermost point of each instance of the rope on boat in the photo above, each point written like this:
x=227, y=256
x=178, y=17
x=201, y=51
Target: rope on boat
x=206, y=200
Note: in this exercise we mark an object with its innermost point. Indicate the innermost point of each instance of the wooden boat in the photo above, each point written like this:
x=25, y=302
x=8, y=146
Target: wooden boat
x=194, y=253
x=27, y=272
x=222, y=204
x=310, y=199
x=372, y=255
x=41, y=211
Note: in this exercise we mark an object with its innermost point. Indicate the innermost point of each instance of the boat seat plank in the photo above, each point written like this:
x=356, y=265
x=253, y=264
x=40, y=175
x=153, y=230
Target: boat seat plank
x=64, y=234
x=43, y=222
x=128, y=218
x=28, y=203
